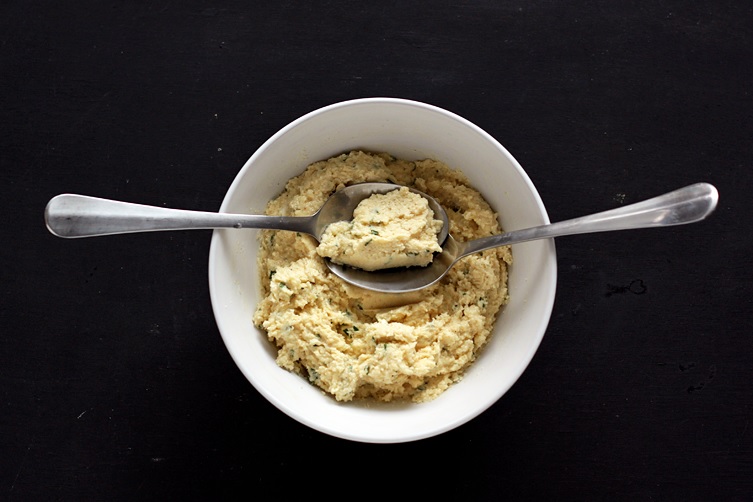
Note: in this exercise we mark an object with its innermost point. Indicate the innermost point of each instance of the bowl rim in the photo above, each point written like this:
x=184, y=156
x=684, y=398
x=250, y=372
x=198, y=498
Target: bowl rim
x=550, y=257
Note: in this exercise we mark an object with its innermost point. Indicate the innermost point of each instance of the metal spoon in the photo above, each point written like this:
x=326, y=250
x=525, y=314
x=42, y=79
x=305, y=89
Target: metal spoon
x=80, y=216
x=686, y=205
x=72, y=216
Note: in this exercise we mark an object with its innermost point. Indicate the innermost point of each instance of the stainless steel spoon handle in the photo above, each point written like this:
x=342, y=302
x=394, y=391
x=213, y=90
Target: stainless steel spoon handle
x=70, y=216
x=686, y=205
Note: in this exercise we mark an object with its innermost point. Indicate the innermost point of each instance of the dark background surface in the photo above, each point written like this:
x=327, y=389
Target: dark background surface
x=114, y=381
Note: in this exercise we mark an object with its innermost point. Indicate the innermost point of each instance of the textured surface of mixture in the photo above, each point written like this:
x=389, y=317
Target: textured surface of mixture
x=396, y=229
x=357, y=344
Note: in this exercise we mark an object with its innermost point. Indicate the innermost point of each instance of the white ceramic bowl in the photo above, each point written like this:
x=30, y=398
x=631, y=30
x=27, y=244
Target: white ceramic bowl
x=409, y=130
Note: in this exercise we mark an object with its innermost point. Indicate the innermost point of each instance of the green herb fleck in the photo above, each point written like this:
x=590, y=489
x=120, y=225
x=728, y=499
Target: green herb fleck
x=313, y=375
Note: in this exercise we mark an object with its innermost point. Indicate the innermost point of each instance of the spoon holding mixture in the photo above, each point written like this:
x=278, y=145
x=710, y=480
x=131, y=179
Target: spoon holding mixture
x=686, y=205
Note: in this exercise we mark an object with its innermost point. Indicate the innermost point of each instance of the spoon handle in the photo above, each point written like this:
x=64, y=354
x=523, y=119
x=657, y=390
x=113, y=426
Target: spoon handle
x=686, y=205
x=70, y=216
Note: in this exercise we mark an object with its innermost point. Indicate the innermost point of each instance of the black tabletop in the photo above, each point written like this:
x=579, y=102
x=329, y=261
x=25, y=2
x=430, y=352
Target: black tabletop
x=114, y=379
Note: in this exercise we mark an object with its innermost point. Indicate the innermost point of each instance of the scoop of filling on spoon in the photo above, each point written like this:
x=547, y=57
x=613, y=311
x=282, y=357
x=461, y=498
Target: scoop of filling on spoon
x=396, y=229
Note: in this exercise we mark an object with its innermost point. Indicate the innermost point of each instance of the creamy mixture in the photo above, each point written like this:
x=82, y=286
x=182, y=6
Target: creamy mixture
x=396, y=229
x=357, y=344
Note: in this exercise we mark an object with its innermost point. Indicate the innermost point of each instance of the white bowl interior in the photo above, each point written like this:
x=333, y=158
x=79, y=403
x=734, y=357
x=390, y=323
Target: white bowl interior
x=408, y=130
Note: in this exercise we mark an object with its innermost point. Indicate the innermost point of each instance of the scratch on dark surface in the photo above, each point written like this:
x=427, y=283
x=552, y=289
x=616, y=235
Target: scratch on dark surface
x=21, y=465
x=576, y=310
x=637, y=287
x=211, y=12
x=701, y=385
x=695, y=388
x=712, y=371
x=686, y=366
